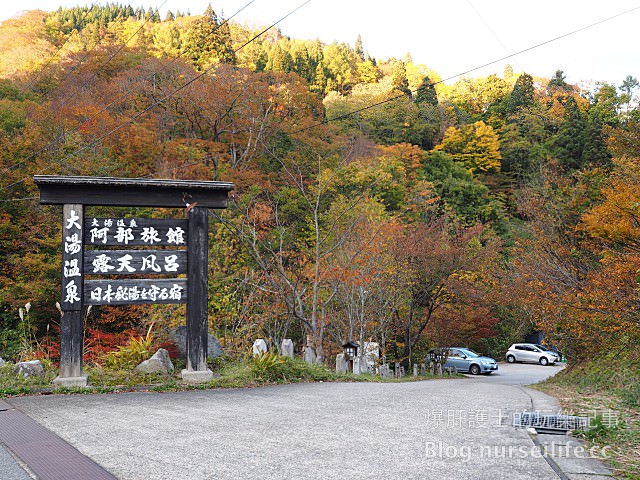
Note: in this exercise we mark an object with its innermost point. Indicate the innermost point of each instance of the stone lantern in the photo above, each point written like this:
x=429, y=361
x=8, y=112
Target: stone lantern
x=351, y=350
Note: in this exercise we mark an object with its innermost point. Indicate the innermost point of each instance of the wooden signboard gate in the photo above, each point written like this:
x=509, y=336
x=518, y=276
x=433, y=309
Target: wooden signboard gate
x=133, y=254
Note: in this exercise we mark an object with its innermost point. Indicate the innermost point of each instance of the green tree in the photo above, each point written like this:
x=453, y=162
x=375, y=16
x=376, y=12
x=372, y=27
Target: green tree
x=280, y=60
x=558, y=82
x=629, y=85
x=521, y=95
x=303, y=65
x=399, y=77
x=595, y=151
x=607, y=101
x=456, y=187
x=523, y=142
x=426, y=99
x=319, y=84
x=569, y=142
x=367, y=72
x=426, y=94
x=340, y=66
x=208, y=40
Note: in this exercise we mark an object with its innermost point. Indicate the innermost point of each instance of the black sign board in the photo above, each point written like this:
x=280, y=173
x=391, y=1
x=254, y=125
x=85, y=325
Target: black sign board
x=123, y=292
x=135, y=262
x=134, y=232
x=72, y=257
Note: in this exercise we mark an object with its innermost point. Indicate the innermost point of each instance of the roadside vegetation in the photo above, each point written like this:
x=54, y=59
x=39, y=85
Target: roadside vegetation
x=607, y=390
x=269, y=369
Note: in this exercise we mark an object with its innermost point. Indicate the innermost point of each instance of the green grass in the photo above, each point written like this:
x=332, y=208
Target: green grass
x=607, y=388
x=247, y=373
x=12, y=384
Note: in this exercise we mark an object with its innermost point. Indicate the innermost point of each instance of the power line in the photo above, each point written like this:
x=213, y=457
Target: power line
x=324, y=122
x=154, y=104
x=538, y=45
x=37, y=76
x=495, y=35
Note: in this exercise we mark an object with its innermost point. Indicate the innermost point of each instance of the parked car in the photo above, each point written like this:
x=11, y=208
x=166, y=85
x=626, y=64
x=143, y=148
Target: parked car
x=465, y=360
x=531, y=352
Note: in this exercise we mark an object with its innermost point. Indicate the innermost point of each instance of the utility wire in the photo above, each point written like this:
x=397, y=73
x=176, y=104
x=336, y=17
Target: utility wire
x=538, y=45
x=154, y=104
x=339, y=117
x=37, y=76
x=495, y=35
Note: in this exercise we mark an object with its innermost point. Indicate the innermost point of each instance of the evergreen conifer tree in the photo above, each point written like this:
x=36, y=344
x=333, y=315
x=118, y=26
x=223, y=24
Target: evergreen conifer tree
x=569, y=142
x=522, y=94
x=426, y=93
x=358, y=49
x=209, y=40
x=595, y=150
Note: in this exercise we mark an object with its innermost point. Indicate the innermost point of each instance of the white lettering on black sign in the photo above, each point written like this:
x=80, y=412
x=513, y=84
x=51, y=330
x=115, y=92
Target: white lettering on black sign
x=120, y=292
x=72, y=235
x=135, y=231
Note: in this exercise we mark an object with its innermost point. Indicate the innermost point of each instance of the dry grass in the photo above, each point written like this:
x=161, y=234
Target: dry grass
x=623, y=437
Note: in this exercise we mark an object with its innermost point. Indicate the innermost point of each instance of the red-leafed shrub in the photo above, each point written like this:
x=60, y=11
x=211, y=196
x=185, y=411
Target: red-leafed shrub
x=170, y=347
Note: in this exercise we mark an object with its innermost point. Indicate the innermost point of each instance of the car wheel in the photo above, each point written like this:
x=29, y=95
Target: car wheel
x=474, y=370
x=511, y=359
x=543, y=361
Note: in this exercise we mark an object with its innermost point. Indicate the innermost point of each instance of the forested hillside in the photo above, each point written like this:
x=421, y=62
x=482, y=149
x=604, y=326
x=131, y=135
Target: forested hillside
x=471, y=213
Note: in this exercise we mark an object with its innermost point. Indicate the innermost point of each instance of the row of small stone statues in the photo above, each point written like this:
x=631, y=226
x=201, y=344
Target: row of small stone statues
x=286, y=349
x=398, y=371
x=360, y=364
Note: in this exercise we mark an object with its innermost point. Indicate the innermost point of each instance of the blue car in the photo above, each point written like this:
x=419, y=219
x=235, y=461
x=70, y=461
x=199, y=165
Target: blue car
x=466, y=360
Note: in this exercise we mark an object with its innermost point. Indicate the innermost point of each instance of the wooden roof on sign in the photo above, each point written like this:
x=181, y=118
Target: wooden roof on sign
x=131, y=192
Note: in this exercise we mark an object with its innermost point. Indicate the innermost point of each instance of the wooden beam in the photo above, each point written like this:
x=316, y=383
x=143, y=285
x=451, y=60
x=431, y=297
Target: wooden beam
x=71, y=323
x=131, y=192
x=197, y=317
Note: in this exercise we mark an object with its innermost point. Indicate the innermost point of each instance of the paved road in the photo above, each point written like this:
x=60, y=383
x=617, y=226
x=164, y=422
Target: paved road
x=421, y=430
x=520, y=373
x=10, y=468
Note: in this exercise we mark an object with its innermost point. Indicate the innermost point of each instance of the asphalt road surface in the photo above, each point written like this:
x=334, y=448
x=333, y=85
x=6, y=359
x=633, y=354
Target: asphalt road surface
x=439, y=429
x=520, y=373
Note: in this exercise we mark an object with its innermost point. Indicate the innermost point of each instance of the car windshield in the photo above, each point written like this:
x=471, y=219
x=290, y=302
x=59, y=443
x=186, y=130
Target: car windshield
x=541, y=347
x=469, y=353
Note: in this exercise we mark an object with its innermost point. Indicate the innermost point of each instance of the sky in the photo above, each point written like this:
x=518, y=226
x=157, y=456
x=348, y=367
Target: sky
x=449, y=36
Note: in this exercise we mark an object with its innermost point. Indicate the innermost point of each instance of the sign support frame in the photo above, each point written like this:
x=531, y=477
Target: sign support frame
x=74, y=193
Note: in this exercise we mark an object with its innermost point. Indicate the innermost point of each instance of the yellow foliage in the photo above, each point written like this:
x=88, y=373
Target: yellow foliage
x=477, y=145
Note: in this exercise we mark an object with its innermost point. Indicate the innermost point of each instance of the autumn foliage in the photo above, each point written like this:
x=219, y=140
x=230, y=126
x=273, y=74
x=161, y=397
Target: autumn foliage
x=472, y=212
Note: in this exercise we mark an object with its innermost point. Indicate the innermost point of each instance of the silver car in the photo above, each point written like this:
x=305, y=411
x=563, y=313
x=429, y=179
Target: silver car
x=466, y=360
x=531, y=352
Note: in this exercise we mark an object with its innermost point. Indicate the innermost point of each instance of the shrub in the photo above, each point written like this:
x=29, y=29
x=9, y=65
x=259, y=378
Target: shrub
x=273, y=367
x=134, y=352
x=630, y=396
x=264, y=365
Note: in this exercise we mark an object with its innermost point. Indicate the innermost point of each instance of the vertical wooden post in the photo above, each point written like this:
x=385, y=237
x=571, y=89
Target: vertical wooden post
x=71, y=324
x=197, y=266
